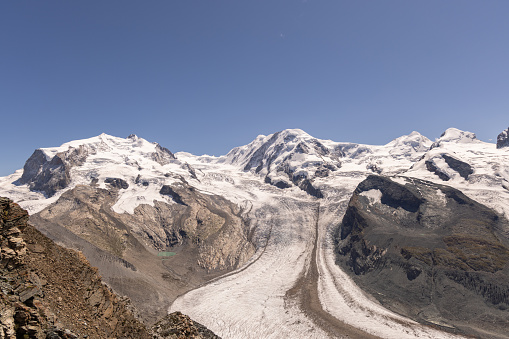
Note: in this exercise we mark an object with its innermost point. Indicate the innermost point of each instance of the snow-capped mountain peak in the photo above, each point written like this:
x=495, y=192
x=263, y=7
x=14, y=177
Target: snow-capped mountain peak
x=456, y=136
x=286, y=158
x=410, y=144
x=131, y=164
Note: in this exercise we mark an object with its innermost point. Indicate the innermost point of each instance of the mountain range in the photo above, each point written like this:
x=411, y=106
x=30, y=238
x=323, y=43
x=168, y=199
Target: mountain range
x=288, y=236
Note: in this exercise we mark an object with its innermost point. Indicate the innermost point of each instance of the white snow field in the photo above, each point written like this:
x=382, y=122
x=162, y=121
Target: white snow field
x=292, y=230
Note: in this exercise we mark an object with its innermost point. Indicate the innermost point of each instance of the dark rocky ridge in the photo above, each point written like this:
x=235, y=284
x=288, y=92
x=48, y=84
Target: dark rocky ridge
x=167, y=190
x=459, y=166
x=503, y=139
x=421, y=247
x=463, y=169
x=433, y=168
x=117, y=183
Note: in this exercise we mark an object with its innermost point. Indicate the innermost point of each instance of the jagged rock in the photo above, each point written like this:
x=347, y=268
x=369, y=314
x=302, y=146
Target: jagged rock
x=163, y=155
x=7, y=323
x=419, y=247
x=57, y=333
x=48, y=175
x=308, y=187
x=117, y=183
x=177, y=325
x=503, y=139
x=433, y=168
x=168, y=190
x=278, y=183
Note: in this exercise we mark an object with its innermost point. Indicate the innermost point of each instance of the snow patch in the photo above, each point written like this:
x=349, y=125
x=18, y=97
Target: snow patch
x=374, y=196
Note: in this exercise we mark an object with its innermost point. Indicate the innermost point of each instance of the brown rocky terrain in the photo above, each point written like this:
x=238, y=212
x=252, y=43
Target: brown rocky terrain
x=206, y=233
x=177, y=325
x=48, y=291
x=428, y=252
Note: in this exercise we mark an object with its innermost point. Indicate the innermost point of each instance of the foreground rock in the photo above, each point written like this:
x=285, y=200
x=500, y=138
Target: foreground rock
x=420, y=248
x=178, y=325
x=49, y=291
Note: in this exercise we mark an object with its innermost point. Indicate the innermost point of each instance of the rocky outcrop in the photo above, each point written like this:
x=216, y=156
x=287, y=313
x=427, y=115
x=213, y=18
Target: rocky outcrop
x=167, y=190
x=117, y=183
x=503, y=139
x=47, y=291
x=433, y=168
x=420, y=247
x=50, y=174
x=43, y=175
x=459, y=166
x=307, y=186
x=162, y=155
x=177, y=325
x=448, y=163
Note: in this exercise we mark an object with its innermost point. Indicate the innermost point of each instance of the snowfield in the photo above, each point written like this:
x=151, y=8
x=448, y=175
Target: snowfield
x=292, y=230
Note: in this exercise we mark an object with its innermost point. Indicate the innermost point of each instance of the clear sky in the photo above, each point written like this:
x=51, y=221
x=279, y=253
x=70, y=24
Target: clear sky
x=206, y=76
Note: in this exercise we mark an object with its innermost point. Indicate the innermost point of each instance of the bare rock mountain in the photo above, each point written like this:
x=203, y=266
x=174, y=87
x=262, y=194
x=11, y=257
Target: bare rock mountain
x=420, y=247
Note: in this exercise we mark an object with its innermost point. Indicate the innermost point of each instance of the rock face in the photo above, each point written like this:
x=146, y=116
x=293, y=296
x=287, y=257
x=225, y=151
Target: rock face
x=503, y=139
x=47, y=291
x=420, y=247
x=433, y=168
x=50, y=173
x=47, y=176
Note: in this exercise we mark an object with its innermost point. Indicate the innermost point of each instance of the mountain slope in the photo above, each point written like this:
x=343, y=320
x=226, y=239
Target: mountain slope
x=49, y=290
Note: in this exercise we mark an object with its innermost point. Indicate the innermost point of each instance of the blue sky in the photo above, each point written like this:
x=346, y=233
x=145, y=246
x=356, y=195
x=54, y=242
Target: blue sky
x=206, y=76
